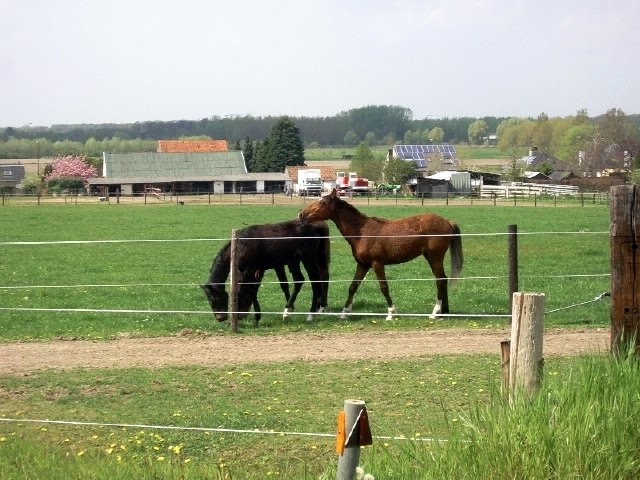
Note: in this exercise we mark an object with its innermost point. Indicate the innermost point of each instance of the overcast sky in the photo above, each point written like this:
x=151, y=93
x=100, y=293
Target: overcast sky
x=95, y=61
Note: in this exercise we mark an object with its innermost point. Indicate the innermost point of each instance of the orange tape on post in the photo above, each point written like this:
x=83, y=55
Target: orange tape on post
x=342, y=427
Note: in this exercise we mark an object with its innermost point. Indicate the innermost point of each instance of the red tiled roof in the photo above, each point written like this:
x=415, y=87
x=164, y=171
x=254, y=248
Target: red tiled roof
x=189, y=146
x=328, y=174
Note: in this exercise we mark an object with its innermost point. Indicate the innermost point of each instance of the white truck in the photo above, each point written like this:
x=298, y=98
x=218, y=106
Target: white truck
x=309, y=182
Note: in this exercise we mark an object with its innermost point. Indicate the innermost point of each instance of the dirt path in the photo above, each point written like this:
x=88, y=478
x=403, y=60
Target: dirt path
x=25, y=357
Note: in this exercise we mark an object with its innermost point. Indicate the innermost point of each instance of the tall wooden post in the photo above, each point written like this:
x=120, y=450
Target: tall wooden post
x=625, y=266
x=234, y=287
x=527, y=327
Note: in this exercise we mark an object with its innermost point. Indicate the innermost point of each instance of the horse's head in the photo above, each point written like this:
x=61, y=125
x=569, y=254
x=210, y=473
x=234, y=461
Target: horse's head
x=320, y=210
x=218, y=300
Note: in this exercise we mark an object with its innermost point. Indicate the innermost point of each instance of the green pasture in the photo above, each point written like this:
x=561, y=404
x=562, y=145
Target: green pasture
x=563, y=252
x=577, y=427
x=154, y=258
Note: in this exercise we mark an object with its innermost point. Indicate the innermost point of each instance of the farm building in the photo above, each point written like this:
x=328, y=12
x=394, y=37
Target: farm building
x=10, y=176
x=185, y=172
x=537, y=158
x=432, y=158
x=442, y=183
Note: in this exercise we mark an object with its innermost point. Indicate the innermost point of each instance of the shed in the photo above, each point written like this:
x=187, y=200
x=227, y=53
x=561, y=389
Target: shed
x=10, y=176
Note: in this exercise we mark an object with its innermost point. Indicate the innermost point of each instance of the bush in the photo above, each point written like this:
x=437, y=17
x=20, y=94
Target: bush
x=31, y=184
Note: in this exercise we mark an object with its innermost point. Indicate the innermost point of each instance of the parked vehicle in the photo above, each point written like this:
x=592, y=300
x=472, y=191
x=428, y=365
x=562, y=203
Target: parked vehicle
x=351, y=183
x=309, y=182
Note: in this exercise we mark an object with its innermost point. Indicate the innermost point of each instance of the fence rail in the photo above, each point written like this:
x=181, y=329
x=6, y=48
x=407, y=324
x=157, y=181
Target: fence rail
x=538, y=195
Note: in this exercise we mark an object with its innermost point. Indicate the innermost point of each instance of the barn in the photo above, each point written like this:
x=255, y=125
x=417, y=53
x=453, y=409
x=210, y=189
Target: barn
x=184, y=166
x=182, y=172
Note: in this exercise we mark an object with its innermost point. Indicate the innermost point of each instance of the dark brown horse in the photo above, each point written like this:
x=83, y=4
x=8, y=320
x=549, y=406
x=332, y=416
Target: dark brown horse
x=376, y=242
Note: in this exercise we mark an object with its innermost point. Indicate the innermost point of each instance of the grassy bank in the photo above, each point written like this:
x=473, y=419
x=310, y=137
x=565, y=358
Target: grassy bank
x=578, y=426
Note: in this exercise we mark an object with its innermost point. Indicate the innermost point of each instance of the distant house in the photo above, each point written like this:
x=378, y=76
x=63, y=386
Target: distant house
x=10, y=176
x=192, y=146
x=427, y=157
x=537, y=158
x=211, y=172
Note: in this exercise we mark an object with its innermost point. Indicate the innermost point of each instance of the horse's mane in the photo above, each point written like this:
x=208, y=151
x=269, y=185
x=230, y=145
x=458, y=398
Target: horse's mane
x=221, y=265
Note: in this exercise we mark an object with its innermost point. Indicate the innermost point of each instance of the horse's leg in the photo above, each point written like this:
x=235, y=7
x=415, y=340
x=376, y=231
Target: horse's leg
x=284, y=286
x=298, y=280
x=324, y=278
x=378, y=268
x=361, y=271
x=442, y=299
x=257, y=313
x=313, y=271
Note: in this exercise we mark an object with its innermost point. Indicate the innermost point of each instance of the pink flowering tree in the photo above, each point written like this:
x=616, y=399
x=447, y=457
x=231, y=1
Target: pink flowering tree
x=69, y=172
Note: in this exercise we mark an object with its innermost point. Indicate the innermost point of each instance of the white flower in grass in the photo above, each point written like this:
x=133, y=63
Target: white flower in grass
x=359, y=473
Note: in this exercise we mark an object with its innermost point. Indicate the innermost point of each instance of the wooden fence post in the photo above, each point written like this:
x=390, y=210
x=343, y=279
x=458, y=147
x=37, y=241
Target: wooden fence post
x=525, y=369
x=625, y=266
x=234, y=287
x=512, y=243
x=350, y=457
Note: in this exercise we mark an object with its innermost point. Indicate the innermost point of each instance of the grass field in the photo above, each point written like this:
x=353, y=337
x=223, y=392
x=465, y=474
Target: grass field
x=563, y=252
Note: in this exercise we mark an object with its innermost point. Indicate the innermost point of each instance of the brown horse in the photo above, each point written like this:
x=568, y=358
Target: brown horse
x=376, y=242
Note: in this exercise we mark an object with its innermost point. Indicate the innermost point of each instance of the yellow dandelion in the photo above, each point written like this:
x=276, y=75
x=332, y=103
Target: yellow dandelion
x=187, y=460
x=3, y=439
x=81, y=453
x=246, y=374
x=161, y=459
x=109, y=451
x=119, y=458
x=43, y=429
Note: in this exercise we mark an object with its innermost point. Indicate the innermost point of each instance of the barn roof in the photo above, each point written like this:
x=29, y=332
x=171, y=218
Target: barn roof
x=192, y=146
x=327, y=173
x=173, y=166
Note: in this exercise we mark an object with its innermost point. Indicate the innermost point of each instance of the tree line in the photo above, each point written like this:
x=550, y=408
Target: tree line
x=375, y=124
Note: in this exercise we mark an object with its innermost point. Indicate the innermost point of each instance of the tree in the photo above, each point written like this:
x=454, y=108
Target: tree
x=366, y=164
x=398, y=171
x=370, y=138
x=248, y=153
x=69, y=172
x=542, y=133
x=350, y=138
x=477, y=130
x=436, y=135
x=574, y=144
x=283, y=147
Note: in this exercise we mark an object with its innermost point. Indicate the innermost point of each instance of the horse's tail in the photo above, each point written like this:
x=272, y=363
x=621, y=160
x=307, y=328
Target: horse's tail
x=456, y=252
